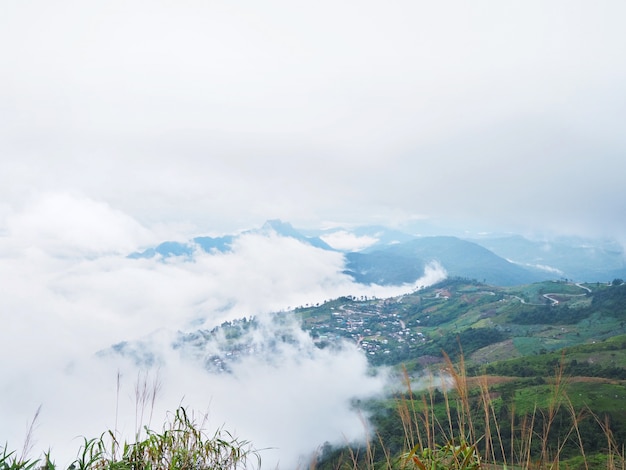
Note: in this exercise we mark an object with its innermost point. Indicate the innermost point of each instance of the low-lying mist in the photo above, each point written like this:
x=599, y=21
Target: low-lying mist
x=66, y=299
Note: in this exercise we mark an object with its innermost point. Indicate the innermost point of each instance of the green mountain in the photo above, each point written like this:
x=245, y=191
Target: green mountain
x=489, y=323
x=526, y=341
x=546, y=358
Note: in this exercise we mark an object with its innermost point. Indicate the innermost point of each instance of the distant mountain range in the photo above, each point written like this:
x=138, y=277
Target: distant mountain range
x=460, y=258
x=224, y=244
x=393, y=257
x=570, y=257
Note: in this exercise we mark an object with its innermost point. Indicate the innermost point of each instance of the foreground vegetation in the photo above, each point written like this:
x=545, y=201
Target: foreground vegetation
x=181, y=445
x=539, y=383
x=458, y=422
x=465, y=423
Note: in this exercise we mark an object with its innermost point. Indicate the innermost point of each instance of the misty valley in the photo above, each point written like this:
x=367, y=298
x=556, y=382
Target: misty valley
x=326, y=235
x=447, y=355
x=521, y=340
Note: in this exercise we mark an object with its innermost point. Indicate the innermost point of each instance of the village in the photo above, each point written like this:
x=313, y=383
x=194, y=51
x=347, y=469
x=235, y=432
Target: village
x=378, y=327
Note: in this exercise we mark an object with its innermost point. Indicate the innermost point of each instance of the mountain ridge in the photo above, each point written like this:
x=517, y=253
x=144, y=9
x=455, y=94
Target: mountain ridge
x=392, y=257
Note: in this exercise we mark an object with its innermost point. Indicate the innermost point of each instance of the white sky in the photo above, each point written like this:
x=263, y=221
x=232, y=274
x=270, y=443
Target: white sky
x=125, y=123
x=215, y=116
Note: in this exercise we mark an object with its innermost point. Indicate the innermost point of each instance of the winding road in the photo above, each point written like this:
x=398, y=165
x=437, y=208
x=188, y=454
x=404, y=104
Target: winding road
x=555, y=301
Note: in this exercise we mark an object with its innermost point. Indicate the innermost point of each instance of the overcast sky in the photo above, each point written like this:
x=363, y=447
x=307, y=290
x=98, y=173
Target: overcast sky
x=214, y=116
x=126, y=123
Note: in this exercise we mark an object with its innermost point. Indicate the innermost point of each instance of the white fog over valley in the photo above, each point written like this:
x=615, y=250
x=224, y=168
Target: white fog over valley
x=127, y=124
x=63, y=307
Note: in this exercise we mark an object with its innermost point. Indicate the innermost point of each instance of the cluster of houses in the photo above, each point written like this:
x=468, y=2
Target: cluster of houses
x=376, y=327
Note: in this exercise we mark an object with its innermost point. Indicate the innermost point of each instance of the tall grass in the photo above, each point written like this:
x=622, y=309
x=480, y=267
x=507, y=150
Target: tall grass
x=181, y=445
x=470, y=434
x=458, y=423
x=461, y=423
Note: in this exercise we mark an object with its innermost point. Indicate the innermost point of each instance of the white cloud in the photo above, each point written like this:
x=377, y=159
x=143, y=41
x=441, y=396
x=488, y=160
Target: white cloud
x=61, y=224
x=344, y=240
x=294, y=401
x=287, y=404
x=68, y=295
x=433, y=272
x=542, y=267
